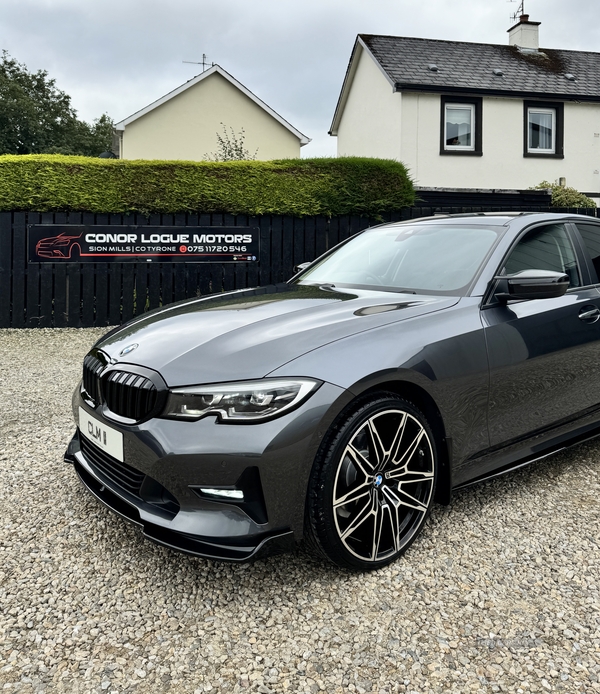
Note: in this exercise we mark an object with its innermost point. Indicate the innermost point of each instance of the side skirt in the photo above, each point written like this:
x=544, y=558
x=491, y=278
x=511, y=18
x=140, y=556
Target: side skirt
x=561, y=443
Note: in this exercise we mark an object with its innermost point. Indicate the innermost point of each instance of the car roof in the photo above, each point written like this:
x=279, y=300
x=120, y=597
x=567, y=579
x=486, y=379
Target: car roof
x=495, y=218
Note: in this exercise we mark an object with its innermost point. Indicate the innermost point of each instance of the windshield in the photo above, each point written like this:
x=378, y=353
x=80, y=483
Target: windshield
x=420, y=258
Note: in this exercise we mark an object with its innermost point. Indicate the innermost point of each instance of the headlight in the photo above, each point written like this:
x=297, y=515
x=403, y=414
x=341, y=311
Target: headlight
x=247, y=401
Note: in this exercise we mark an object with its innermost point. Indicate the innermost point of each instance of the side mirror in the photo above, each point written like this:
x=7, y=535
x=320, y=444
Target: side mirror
x=300, y=267
x=531, y=284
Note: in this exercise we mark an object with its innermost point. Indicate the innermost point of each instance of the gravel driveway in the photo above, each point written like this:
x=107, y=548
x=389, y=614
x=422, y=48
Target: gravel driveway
x=500, y=593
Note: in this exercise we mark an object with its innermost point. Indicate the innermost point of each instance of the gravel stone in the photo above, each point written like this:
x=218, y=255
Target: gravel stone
x=499, y=594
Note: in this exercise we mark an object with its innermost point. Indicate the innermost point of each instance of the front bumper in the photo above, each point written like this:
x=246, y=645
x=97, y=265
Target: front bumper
x=168, y=462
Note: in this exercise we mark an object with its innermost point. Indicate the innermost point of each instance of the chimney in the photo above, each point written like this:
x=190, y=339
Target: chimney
x=525, y=34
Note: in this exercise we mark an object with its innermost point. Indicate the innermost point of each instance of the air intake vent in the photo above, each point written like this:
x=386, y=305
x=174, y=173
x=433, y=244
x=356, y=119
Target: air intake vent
x=129, y=479
x=91, y=370
x=120, y=474
x=129, y=395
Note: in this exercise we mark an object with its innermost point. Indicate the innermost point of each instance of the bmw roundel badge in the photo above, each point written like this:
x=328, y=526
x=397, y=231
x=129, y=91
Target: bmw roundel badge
x=128, y=349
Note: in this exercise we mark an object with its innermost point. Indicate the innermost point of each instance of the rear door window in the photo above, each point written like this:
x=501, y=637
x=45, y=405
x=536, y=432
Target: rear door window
x=590, y=234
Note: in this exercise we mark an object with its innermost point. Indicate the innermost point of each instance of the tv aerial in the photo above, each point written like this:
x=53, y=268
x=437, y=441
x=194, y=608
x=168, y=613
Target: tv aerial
x=520, y=11
x=205, y=64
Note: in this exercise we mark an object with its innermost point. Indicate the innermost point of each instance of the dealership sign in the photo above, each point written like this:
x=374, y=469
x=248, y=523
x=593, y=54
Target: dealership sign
x=51, y=243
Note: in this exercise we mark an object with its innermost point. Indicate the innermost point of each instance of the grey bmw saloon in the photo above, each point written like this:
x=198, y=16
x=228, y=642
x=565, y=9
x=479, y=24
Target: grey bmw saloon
x=412, y=359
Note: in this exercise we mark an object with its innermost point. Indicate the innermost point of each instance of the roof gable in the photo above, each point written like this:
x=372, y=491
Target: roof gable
x=121, y=125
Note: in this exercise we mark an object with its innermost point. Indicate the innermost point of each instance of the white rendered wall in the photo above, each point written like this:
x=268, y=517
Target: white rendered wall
x=502, y=164
x=186, y=126
x=582, y=146
x=371, y=122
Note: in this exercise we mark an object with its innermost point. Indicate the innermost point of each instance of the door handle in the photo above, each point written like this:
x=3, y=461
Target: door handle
x=589, y=314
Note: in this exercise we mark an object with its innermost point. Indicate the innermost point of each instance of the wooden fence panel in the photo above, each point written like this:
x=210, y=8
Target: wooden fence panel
x=33, y=297
x=19, y=263
x=102, y=283
x=253, y=269
x=240, y=270
x=298, y=252
x=100, y=294
x=179, y=274
x=228, y=268
x=73, y=278
x=46, y=319
x=88, y=283
x=276, y=249
x=6, y=251
x=321, y=233
x=127, y=282
x=154, y=286
x=265, y=267
x=287, y=250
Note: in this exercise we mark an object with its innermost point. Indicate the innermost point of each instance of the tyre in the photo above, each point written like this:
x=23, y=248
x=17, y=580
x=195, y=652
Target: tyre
x=372, y=484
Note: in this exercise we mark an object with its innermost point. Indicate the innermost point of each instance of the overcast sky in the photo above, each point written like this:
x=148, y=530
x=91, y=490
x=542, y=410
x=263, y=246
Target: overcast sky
x=117, y=56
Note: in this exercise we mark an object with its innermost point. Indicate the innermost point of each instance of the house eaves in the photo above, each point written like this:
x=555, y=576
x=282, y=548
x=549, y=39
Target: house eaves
x=121, y=125
x=466, y=91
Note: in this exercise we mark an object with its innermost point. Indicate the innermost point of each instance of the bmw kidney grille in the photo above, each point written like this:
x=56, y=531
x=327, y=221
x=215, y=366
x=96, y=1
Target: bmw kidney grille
x=126, y=394
x=129, y=395
x=91, y=371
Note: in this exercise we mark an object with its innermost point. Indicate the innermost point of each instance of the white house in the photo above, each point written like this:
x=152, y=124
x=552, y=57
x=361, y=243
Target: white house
x=184, y=123
x=471, y=115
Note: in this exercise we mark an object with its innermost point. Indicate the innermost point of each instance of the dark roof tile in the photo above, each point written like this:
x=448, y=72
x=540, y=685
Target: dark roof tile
x=461, y=64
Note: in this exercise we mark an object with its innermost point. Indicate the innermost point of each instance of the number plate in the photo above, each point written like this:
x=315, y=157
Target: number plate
x=108, y=439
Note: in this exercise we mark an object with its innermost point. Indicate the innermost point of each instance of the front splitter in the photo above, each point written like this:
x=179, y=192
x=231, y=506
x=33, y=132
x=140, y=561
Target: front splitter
x=208, y=548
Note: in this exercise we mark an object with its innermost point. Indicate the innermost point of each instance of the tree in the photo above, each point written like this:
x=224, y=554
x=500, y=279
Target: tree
x=89, y=140
x=38, y=118
x=231, y=146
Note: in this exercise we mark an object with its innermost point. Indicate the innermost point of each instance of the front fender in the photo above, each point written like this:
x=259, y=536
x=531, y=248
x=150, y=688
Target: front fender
x=443, y=353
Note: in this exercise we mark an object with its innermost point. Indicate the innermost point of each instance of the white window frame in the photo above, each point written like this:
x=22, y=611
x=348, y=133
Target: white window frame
x=459, y=148
x=545, y=111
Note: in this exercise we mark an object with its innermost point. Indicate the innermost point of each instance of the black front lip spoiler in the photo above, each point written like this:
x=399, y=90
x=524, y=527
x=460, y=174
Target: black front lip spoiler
x=197, y=546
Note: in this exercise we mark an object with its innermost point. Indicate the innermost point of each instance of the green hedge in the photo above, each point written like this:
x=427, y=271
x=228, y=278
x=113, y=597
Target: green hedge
x=298, y=187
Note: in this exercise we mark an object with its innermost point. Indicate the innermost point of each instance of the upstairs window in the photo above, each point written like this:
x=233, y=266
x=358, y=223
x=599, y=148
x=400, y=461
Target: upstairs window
x=460, y=121
x=461, y=126
x=541, y=130
x=543, y=136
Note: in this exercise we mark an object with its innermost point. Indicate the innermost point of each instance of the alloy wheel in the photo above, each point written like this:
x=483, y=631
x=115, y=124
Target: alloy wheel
x=383, y=485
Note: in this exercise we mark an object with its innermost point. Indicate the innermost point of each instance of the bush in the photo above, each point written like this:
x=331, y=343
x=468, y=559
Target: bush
x=298, y=187
x=563, y=196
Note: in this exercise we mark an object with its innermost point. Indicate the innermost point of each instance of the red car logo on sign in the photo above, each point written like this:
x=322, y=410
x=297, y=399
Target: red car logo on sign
x=60, y=246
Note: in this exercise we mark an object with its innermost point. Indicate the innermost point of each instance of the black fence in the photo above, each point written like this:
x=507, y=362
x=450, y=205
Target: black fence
x=507, y=199
x=75, y=294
